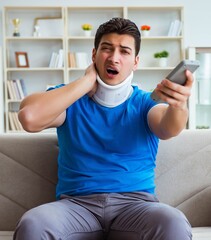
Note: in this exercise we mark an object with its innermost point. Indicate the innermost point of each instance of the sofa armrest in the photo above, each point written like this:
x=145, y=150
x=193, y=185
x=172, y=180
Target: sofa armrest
x=28, y=174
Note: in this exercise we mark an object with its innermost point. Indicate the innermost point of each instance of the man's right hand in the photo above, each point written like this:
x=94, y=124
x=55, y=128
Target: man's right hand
x=91, y=74
x=43, y=110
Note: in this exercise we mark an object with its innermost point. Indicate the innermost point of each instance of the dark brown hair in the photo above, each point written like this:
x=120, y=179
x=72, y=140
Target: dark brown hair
x=119, y=26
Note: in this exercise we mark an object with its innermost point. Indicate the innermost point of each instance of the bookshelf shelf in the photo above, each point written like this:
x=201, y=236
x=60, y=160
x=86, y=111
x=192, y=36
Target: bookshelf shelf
x=162, y=38
x=13, y=101
x=156, y=68
x=34, y=69
x=32, y=38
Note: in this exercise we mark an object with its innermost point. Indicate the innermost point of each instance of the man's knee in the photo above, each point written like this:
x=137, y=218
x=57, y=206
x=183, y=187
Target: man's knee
x=33, y=224
x=155, y=222
x=170, y=223
x=55, y=221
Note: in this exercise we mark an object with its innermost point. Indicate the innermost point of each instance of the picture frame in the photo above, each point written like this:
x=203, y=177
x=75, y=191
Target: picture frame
x=44, y=25
x=22, y=59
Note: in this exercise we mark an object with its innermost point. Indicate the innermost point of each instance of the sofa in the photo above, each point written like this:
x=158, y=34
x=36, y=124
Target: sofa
x=28, y=176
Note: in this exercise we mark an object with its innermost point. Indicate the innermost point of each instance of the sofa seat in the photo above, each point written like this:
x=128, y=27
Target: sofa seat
x=199, y=233
x=6, y=235
x=202, y=233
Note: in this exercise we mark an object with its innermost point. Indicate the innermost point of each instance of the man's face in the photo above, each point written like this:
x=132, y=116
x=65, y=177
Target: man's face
x=115, y=58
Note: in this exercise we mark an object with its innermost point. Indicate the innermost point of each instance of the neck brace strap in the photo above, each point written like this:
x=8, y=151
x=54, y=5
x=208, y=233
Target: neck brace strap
x=112, y=96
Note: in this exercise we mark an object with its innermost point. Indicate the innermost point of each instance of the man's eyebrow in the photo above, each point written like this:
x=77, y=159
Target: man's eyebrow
x=126, y=47
x=122, y=46
x=106, y=43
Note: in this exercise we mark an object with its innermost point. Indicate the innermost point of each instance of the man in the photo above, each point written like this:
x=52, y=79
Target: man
x=108, y=134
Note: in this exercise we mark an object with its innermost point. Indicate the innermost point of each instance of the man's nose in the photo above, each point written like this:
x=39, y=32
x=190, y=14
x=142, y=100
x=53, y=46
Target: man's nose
x=115, y=56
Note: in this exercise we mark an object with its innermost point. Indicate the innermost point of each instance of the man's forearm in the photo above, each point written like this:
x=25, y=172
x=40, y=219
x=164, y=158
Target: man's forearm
x=174, y=121
x=39, y=110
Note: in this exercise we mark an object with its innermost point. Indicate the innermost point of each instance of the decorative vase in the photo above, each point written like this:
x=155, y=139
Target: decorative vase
x=162, y=62
x=87, y=33
x=145, y=33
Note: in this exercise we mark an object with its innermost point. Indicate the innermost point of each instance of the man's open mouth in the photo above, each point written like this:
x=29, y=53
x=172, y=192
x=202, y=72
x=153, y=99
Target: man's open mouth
x=112, y=71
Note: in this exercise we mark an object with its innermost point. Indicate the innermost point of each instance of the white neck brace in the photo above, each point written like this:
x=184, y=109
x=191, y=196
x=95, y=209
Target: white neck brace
x=112, y=96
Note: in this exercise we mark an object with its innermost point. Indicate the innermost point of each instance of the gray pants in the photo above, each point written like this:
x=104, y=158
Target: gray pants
x=113, y=216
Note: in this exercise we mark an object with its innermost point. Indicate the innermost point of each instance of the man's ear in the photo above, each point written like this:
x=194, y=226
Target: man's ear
x=136, y=63
x=93, y=55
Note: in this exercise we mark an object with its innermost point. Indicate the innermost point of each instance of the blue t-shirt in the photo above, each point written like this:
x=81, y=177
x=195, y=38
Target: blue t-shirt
x=104, y=149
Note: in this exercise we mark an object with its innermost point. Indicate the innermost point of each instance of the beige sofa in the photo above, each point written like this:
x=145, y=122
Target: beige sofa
x=28, y=175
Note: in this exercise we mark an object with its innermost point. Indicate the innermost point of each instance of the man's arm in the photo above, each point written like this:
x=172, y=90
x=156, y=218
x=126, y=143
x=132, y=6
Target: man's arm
x=48, y=109
x=167, y=121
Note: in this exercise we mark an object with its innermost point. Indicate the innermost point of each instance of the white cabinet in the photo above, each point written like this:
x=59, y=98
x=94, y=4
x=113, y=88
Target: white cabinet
x=65, y=32
x=1, y=95
x=37, y=48
x=160, y=20
x=79, y=44
x=200, y=100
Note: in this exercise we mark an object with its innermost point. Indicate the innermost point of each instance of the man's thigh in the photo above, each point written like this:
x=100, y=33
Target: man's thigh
x=58, y=220
x=150, y=220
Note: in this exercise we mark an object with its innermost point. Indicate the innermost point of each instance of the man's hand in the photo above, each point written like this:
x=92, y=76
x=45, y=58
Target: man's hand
x=174, y=94
x=91, y=75
x=167, y=121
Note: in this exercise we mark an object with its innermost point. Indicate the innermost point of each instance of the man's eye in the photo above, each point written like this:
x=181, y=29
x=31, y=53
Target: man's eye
x=106, y=48
x=125, y=52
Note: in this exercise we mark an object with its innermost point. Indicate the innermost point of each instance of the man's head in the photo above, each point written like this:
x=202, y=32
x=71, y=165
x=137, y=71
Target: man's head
x=119, y=26
x=116, y=48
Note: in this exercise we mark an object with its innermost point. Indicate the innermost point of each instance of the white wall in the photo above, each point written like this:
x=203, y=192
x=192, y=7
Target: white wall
x=1, y=95
x=196, y=13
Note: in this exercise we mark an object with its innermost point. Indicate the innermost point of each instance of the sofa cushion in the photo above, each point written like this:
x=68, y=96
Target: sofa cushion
x=184, y=175
x=202, y=233
x=6, y=235
x=199, y=233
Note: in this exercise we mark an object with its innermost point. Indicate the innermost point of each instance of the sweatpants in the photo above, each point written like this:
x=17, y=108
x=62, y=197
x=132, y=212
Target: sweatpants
x=107, y=216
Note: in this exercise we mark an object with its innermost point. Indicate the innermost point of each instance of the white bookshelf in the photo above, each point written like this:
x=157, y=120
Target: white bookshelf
x=38, y=48
x=71, y=39
x=1, y=95
x=200, y=99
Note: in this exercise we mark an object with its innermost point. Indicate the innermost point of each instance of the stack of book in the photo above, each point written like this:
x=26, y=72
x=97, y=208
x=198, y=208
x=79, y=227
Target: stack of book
x=16, y=89
x=57, y=59
x=175, y=28
x=14, y=123
x=78, y=60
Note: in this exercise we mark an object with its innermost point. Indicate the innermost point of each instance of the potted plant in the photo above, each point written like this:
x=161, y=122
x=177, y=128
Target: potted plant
x=145, y=30
x=87, y=28
x=162, y=57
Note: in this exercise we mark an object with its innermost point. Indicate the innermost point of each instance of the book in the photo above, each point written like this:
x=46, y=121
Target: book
x=71, y=60
x=175, y=28
x=170, y=32
x=16, y=121
x=57, y=59
x=10, y=91
x=23, y=86
x=16, y=89
x=17, y=93
x=11, y=122
x=13, y=91
x=20, y=90
x=60, y=63
x=52, y=62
